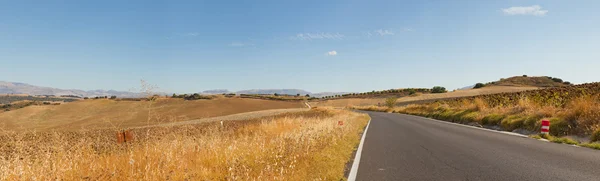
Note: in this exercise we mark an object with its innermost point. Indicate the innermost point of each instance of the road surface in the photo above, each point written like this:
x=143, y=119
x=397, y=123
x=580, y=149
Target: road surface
x=405, y=147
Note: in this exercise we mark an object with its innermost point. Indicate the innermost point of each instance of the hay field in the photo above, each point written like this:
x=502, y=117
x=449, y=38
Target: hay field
x=308, y=145
x=103, y=113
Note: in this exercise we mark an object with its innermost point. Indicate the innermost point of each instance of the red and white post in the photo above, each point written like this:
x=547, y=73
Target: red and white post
x=545, y=127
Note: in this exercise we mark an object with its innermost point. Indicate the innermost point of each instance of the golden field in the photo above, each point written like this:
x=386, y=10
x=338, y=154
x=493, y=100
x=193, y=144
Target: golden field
x=307, y=145
x=104, y=113
x=421, y=97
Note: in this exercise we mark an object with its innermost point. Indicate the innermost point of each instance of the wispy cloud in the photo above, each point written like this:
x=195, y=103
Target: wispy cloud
x=408, y=29
x=534, y=10
x=382, y=32
x=332, y=53
x=240, y=44
x=317, y=36
x=191, y=34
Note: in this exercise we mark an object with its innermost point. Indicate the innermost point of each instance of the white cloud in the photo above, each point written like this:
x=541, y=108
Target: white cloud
x=332, y=53
x=317, y=36
x=534, y=10
x=408, y=29
x=382, y=32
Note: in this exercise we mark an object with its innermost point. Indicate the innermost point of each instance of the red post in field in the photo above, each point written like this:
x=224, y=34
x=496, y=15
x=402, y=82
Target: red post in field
x=545, y=126
x=340, y=123
x=124, y=136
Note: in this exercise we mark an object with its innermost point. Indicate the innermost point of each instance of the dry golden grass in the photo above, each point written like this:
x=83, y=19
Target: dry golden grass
x=422, y=97
x=105, y=113
x=294, y=146
x=580, y=117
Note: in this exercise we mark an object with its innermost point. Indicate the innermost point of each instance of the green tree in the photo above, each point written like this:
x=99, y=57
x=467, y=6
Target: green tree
x=438, y=89
x=478, y=85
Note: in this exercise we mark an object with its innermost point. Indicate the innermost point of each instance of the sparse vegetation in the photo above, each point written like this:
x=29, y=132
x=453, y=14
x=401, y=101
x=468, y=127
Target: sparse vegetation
x=572, y=110
x=543, y=81
x=299, y=146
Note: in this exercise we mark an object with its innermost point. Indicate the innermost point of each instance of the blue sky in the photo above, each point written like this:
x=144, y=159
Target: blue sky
x=345, y=45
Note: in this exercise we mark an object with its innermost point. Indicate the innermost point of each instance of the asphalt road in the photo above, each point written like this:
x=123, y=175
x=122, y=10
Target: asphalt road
x=404, y=147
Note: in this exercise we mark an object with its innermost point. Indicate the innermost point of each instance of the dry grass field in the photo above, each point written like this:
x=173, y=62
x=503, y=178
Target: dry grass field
x=421, y=97
x=105, y=113
x=308, y=145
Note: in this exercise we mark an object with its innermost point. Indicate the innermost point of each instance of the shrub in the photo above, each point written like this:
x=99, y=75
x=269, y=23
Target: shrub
x=524, y=75
x=478, y=85
x=557, y=80
x=512, y=122
x=438, y=89
x=390, y=102
x=595, y=136
x=492, y=119
x=559, y=127
x=411, y=91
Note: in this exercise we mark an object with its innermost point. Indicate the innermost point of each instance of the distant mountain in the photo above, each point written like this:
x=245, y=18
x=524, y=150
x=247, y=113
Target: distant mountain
x=22, y=88
x=215, y=91
x=467, y=87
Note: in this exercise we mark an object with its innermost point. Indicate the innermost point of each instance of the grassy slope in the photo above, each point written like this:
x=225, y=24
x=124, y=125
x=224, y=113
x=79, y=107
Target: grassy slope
x=117, y=114
x=572, y=110
x=423, y=97
x=299, y=146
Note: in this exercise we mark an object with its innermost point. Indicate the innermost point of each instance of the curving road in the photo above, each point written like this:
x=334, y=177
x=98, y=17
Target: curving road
x=404, y=147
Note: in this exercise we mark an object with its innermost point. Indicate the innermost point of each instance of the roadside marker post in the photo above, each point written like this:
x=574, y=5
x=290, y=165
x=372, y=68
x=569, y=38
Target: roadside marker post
x=545, y=127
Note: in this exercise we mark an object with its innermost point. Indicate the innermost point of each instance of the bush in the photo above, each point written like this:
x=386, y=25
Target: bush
x=557, y=80
x=559, y=127
x=438, y=89
x=390, y=102
x=595, y=136
x=524, y=75
x=478, y=85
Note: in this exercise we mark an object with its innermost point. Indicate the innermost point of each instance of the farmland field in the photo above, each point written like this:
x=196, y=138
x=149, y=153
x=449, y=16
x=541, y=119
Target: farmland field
x=343, y=102
x=105, y=113
x=308, y=145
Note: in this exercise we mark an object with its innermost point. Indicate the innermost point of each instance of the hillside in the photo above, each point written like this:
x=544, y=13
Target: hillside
x=542, y=81
x=106, y=113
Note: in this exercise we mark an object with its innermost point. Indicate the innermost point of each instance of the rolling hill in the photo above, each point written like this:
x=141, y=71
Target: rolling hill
x=104, y=113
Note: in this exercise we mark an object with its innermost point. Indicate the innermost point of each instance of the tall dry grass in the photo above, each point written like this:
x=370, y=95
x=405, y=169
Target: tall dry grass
x=296, y=146
x=580, y=116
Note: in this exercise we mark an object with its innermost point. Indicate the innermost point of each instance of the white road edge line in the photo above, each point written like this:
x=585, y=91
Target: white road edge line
x=356, y=161
x=485, y=129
